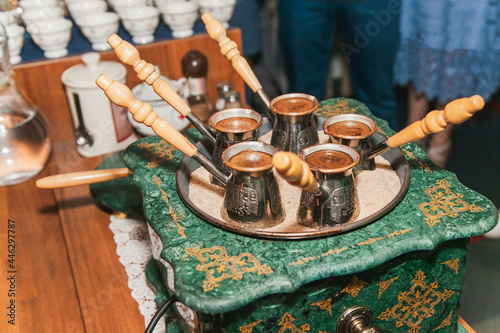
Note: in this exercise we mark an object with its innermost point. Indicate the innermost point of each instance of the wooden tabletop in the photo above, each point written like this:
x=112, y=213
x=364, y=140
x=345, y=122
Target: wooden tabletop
x=65, y=274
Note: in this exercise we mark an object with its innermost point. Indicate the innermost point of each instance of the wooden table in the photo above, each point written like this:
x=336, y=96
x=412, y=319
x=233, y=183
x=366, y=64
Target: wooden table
x=67, y=277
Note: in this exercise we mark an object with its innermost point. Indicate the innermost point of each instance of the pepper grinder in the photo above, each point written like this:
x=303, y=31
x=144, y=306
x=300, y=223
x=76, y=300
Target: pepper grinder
x=227, y=97
x=194, y=66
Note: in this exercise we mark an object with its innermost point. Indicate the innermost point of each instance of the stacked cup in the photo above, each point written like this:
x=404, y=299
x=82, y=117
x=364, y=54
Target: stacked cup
x=139, y=19
x=15, y=34
x=47, y=26
x=94, y=21
x=179, y=16
x=221, y=10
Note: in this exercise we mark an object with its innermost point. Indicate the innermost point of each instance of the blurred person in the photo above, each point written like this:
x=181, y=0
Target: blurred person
x=370, y=28
x=448, y=50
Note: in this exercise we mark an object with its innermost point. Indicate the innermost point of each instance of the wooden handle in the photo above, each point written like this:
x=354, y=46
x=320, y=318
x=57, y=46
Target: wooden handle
x=146, y=72
x=436, y=121
x=121, y=95
x=230, y=49
x=295, y=171
x=81, y=178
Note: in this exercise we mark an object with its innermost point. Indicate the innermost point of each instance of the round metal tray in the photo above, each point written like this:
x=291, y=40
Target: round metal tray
x=188, y=165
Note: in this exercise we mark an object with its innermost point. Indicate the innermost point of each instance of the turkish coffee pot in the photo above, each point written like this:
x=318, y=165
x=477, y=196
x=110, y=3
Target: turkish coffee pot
x=355, y=130
x=232, y=126
x=325, y=174
x=294, y=126
x=252, y=194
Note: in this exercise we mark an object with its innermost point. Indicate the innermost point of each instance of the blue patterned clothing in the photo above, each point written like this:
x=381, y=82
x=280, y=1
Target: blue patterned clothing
x=450, y=48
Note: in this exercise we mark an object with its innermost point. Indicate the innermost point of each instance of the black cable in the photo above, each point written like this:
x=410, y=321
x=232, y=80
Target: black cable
x=161, y=311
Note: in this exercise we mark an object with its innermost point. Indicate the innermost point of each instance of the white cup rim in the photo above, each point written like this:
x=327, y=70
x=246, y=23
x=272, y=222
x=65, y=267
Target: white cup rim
x=51, y=26
x=97, y=19
x=179, y=7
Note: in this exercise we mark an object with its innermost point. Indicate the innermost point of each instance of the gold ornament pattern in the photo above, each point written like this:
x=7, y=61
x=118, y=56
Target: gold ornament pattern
x=453, y=264
x=354, y=287
x=328, y=253
x=171, y=212
x=249, y=328
x=287, y=324
x=395, y=233
x=324, y=305
x=444, y=203
x=422, y=164
x=219, y=266
x=384, y=285
x=446, y=322
x=332, y=110
x=417, y=304
x=158, y=152
x=340, y=250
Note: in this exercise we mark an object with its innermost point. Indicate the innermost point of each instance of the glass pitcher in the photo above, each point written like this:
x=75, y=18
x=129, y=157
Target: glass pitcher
x=25, y=144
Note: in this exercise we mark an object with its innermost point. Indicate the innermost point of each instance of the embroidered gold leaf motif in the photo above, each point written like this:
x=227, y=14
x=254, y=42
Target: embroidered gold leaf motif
x=422, y=164
x=354, y=287
x=324, y=305
x=249, y=328
x=446, y=322
x=386, y=315
x=328, y=253
x=384, y=285
x=444, y=203
x=157, y=152
x=287, y=324
x=219, y=266
x=417, y=304
x=171, y=212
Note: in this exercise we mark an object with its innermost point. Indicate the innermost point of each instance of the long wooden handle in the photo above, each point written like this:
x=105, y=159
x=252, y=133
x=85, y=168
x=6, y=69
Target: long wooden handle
x=436, y=121
x=81, y=178
x=230, y=49
x=121, y=95
x=146, y=72
x=295, y=171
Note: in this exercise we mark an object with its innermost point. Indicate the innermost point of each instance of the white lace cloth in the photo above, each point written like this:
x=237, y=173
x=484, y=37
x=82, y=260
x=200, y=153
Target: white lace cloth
x=133, y=247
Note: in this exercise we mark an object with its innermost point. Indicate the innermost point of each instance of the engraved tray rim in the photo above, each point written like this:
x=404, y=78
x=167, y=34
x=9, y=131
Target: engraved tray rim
x=187, y=165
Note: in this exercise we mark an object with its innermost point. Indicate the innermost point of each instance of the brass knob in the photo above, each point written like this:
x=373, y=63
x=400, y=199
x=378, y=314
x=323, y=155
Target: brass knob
x=358, y=319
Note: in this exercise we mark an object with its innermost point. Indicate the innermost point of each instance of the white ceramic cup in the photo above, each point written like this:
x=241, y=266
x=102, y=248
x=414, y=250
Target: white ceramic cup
x=98, y=27
x=221, y=10
x=121, y=5
x=141, y=23
x=81, y=8
x=41, y=15
x=161, y=3
x=29, y=4
x=52, y=37
x=6, y=18
x=180, y=17
x=16, y=42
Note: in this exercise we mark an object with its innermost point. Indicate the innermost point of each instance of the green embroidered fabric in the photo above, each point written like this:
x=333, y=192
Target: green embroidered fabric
x=405, y=294
x=217, y=271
